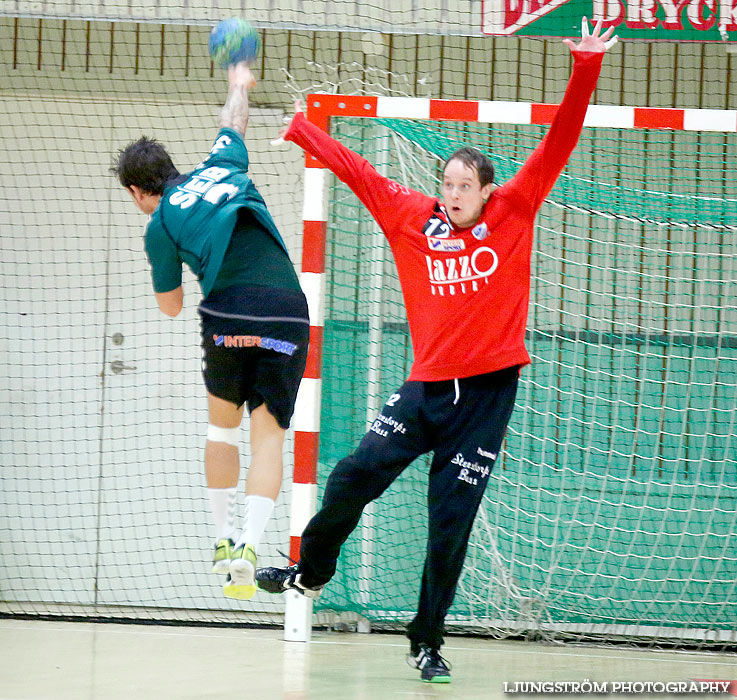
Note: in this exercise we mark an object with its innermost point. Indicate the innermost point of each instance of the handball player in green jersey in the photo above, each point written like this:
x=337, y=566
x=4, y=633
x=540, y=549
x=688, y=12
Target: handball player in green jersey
x=254, y=319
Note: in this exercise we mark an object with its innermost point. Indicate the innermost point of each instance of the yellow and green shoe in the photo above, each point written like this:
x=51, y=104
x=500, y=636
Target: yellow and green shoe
x=241, y=583
x=223, y=556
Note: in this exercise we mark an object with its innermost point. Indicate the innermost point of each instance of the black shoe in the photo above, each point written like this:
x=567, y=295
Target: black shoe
x=272, y=579
x=433, y=667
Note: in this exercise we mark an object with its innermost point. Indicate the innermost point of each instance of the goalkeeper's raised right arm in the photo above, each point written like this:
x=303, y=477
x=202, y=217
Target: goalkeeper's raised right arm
x=386, y=199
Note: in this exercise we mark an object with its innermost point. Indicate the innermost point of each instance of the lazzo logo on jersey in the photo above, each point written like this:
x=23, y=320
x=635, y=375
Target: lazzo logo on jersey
x=461, y=273
x=448, y=245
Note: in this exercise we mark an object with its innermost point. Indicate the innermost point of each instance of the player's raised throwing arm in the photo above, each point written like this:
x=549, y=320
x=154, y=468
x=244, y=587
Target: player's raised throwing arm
x=234, y=114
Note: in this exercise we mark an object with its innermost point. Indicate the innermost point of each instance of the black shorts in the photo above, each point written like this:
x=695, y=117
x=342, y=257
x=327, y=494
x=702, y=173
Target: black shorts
x=254, y=347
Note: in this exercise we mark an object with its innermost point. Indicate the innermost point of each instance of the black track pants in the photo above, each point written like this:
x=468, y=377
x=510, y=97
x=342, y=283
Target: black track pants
x=462, y=422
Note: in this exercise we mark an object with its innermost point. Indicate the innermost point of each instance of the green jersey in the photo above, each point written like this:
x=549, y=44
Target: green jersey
x=196, y=215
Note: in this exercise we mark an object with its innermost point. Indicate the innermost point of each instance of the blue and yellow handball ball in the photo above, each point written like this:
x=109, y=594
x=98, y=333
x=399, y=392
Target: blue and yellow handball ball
x=232, y=41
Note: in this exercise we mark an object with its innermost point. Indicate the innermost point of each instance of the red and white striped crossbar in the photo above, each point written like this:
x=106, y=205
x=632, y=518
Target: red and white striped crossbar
x=320, y=109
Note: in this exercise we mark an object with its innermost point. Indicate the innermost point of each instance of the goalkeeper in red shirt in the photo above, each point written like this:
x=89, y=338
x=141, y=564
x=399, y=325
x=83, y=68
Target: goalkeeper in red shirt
x=464, y=267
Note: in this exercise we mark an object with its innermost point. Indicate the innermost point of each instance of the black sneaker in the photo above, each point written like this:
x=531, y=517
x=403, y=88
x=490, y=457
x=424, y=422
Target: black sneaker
x=272, y=579
x=433, y=667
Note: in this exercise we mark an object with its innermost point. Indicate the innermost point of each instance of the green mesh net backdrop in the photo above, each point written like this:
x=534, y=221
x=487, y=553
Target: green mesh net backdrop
x=613, y=509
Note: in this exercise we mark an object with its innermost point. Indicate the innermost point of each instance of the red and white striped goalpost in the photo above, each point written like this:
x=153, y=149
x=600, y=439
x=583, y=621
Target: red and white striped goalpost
x=320, y=109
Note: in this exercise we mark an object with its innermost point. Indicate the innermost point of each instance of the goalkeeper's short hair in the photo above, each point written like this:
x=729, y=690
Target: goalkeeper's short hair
x=475, y=159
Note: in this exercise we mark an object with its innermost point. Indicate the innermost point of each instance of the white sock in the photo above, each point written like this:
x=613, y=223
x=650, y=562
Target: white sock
x=222, y=503
x=258, y=512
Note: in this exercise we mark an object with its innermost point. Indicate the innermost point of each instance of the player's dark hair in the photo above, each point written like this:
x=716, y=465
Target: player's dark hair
x=145, y=164
x=475, y=159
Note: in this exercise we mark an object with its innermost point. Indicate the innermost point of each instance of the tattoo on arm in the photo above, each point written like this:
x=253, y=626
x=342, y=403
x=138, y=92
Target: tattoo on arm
x=234, y=113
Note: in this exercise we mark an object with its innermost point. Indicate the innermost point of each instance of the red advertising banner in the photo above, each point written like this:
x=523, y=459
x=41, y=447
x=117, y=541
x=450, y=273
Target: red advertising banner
x=681, y=20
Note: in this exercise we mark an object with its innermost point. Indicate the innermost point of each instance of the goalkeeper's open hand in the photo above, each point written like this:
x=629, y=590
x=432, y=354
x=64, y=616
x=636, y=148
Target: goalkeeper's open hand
x=283, y=131
x=595, y=42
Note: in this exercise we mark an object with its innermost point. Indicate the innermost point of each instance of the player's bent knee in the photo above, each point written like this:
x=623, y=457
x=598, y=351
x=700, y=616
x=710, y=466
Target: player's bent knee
x=229, y=436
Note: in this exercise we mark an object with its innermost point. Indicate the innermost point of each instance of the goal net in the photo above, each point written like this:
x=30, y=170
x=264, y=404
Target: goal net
x=612, y=512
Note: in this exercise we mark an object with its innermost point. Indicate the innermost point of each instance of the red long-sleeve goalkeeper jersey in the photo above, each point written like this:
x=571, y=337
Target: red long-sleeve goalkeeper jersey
x=466, y=290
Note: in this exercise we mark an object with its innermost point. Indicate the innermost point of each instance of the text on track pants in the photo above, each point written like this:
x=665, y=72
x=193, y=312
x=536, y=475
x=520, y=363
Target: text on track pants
x=463, y=423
